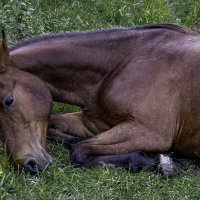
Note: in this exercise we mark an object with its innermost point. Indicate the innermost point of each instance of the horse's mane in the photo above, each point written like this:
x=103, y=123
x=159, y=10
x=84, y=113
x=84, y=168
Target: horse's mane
x=173, y=27
x=90, y=33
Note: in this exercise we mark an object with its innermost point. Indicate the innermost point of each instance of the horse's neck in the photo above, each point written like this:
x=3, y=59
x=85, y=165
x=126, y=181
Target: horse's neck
x=76, y=68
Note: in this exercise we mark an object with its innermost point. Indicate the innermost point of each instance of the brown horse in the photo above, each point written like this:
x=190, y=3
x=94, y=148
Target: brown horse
x=23, y=114
x=138, y=89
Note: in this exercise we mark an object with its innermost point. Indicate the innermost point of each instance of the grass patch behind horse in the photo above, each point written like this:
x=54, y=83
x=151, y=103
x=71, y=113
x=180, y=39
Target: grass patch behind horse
x=62, y=180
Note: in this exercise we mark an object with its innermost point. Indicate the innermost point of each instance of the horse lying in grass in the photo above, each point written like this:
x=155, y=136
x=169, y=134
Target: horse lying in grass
x=139, y=90
x=23, y=114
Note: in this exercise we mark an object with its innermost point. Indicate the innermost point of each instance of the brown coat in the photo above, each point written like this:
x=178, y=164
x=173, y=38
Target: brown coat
x=138, y=88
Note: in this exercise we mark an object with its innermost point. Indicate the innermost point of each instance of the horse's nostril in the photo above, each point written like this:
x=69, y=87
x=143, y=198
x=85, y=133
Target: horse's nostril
x=31, y=165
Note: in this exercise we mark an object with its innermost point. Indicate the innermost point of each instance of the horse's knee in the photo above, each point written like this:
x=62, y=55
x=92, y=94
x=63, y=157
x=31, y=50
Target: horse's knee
x=80, y=154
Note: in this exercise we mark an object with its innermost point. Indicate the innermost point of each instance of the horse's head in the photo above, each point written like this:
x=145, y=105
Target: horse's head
x=25, y=106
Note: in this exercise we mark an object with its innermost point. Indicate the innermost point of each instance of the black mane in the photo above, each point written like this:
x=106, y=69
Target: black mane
x=58, y=36
x=173, y=27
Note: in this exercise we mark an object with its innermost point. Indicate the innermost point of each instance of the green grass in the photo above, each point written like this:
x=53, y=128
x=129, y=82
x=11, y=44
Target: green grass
x=26, y=18
x=63, y=108
x=64, y=181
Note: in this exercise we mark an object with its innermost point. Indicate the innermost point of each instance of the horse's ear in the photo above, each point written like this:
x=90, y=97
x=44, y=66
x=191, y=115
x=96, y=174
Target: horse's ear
x=4, y=54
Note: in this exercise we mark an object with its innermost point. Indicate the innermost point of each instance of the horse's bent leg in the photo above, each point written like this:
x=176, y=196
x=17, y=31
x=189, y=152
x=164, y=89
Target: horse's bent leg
x=133, y=162
x=63, y=138
x=124, y=138
x=136, y=161
x=67, y=128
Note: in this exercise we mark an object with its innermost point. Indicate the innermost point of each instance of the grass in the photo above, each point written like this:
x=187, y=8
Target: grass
x=64, y=181
x=25, y=18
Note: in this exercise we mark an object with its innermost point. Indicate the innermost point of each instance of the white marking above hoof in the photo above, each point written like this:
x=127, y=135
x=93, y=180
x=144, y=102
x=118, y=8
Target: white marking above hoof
x=166, y=166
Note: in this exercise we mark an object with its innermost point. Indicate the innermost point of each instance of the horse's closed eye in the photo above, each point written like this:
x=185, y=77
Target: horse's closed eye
x=9, y=101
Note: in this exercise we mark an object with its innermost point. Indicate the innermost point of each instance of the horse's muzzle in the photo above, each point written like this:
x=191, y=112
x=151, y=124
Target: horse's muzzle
x=33, y=165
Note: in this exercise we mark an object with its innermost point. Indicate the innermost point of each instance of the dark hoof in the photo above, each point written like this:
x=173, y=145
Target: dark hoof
x=139, y=161
x=63, y=138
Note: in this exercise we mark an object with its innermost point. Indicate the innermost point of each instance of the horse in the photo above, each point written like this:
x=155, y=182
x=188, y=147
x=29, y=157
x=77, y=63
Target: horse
x=138, y=89
x=23, y=115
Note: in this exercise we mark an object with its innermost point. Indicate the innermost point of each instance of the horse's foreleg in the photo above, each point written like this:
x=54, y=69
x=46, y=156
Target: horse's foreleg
x=127, y=137
x=136, y=161
x=68, y=140
x=67, y=128
x=133, y=162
